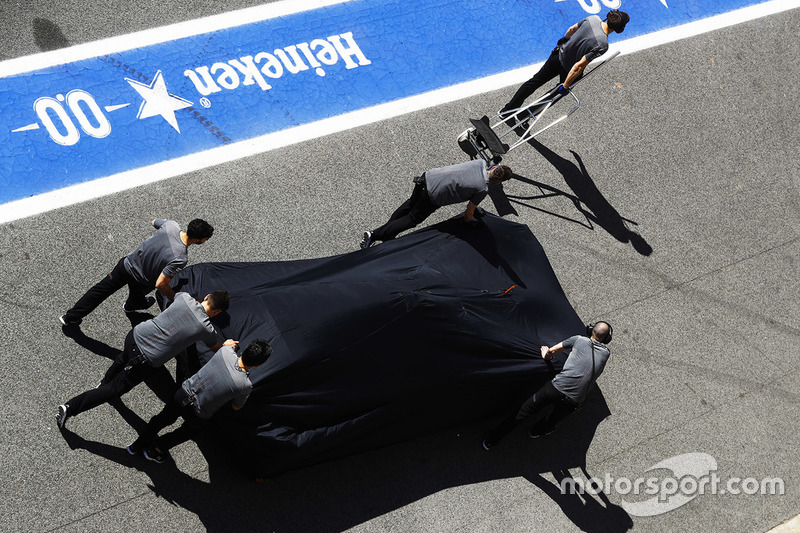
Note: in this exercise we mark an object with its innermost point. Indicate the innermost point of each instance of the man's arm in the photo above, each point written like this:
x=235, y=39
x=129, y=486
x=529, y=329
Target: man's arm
x=240, y=400
x=572, y=29
x=237, y=407
x=469, y=212
x=230, y=342
x=547, y=353
x=162, y=284
x=575, y=72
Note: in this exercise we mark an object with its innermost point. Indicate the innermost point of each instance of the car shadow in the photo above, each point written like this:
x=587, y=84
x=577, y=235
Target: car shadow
x=345, y=493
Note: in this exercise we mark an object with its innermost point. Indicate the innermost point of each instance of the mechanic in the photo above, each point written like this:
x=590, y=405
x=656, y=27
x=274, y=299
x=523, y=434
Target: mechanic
x=224, y=378
x=151, y=266
x=583, y=42
x=439, y=187
x=568, y=389
x=151, y=344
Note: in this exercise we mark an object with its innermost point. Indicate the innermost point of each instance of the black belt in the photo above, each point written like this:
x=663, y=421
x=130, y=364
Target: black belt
x=136, y=361
x=185, y=398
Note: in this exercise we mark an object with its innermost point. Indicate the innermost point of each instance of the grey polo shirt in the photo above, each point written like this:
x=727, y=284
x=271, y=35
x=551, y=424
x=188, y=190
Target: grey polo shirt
x=218, y=382
x=588, y=41
x=458, y=183
x=162, y=252
x=179, y=326
x=575, y=380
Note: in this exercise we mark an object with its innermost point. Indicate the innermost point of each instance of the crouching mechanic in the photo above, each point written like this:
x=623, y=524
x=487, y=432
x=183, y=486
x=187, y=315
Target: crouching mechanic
x=439, y=187
x=151, y=266
x=224, y=378
x=149, y=345
x=568, y=389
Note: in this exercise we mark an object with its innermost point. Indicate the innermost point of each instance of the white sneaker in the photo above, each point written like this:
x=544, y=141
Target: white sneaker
x=61, y=416
x=367, y=241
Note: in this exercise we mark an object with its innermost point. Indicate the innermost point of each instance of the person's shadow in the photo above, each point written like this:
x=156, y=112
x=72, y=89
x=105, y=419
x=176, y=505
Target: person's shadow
x=347, y=492
x=585, y=196
x=587, y=506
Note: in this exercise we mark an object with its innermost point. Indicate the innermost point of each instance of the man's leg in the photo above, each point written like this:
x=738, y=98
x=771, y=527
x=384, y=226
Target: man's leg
x=550, y=69
x=115, y=280
x=415, y=210
x=561, y=408
x=405, y=208
x=192, y=425
x=133, y=373
x=129, y=351
x=545, y=396
x=166, y=417
x=137, y=296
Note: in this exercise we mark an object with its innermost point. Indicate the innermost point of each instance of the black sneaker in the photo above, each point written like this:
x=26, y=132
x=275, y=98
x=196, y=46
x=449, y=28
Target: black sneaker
x=61, y=416
x=522, y=128
x=509, y=117
x=150, y=300
x=66, y=322
x=134, y=448
x=152, y=454
x=367, y=241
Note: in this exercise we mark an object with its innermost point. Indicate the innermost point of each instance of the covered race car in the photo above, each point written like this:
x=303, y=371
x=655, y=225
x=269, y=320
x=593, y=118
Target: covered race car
x=437, y=328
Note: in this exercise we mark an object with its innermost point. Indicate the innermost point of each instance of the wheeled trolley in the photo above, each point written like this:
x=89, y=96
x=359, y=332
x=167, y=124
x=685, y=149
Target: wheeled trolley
x=489, y=138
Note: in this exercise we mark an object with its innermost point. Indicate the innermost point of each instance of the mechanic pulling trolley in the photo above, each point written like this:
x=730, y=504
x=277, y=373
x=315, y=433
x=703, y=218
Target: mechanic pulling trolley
x=583, y=42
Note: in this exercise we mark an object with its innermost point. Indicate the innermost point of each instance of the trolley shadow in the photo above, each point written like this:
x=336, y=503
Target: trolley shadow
x=595, y=209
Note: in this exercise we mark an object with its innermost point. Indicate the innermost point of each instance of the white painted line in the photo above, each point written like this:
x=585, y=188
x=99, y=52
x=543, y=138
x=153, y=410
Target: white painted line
x=162, y=34
x=698, y=27
x=26, y=128
x=216, y=156
x=790, y=526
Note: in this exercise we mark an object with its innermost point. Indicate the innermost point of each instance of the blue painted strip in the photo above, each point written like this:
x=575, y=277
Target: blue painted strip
x=72, y=123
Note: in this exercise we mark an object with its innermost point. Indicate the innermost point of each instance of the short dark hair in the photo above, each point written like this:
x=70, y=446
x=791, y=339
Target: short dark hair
x=617, y=20
x=219, y=299
x=502, y=173
x=199, y=229
x=256, y=353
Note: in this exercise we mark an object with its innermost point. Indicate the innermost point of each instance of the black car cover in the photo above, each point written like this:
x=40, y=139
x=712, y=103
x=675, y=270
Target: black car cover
x=437, y=328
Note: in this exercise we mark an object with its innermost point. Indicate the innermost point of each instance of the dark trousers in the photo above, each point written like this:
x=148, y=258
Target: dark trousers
x=128, y=370
x=551, y=68
x=412, y=212
x=548, y=395
x=178, y=406
x=114, y=281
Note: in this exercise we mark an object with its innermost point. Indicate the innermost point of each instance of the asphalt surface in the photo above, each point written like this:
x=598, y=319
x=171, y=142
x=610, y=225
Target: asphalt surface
x=676, y=217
